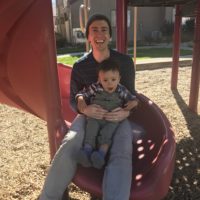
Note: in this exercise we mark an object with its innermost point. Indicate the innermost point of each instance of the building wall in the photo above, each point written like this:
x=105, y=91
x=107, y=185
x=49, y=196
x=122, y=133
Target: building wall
x=96, y=7
x=149, y=20
x=54, y=14
x=170, y=14
x=61, y=28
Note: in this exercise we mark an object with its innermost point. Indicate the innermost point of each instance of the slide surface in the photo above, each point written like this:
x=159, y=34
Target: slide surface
x=27, y=56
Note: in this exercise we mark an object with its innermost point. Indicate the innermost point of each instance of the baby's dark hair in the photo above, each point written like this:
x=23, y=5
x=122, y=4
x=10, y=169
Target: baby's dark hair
x=108, y=65
x=97, y=17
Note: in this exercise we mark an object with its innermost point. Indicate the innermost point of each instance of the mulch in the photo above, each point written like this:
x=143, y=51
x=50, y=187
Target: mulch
x=24, y=147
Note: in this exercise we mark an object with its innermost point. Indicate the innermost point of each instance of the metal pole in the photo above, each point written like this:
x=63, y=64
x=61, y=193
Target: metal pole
x=135, y=35
x=86, y=5
x=195, y=77
x=121, y=18
x=176, y=48
x=59, y=16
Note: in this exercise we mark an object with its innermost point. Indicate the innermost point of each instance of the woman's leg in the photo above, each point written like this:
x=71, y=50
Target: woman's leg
x=63, y=166
x=118, y=172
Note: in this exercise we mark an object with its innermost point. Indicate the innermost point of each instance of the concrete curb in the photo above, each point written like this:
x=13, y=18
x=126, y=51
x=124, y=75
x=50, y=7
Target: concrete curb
x=161, y=65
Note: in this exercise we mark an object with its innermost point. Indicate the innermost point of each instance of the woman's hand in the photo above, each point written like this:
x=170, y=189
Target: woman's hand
x=81, y=105
x=116, y=115
x=95, y=111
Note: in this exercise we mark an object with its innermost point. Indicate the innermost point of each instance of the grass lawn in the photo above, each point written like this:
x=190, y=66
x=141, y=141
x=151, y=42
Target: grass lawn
x=67, y=59
x=141, y=54
x=158, y=53
x=65, y=50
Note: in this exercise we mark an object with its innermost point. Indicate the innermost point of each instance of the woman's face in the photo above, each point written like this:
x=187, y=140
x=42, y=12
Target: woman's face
x=99, y=35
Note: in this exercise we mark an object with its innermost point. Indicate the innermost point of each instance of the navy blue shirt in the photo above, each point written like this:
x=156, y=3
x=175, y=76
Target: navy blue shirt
x=84, y=73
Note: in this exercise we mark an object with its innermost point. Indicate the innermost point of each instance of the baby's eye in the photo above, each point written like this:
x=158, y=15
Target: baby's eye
x=113, y=79
x=105, y=80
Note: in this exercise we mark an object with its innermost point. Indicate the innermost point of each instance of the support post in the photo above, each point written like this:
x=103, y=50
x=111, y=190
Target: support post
x=121, y=18
x=195, y=76
x=176, y=48
x=135, y=35
x=86, y=5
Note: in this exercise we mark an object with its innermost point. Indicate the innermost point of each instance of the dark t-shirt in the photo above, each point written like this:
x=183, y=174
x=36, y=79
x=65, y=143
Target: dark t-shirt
x=84, y=73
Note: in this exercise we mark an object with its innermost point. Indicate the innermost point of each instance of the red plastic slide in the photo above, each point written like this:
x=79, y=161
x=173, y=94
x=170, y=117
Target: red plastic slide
x=28, y=72
x=27, y=55
x=30, y=80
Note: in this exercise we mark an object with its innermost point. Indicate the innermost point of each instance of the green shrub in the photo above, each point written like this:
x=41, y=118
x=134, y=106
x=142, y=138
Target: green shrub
x=188, y=27
x=60, y=41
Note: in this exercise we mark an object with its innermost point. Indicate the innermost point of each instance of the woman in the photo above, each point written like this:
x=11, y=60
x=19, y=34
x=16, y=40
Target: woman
x=118, y=171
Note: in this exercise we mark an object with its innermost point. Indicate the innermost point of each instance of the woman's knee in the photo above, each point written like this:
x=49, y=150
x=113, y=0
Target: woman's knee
x=76, y=131
x=73, y=139
x=122, y=141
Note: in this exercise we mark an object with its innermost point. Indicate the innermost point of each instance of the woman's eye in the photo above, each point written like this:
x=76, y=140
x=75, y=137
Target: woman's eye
x=94, y=30
x=104, y=30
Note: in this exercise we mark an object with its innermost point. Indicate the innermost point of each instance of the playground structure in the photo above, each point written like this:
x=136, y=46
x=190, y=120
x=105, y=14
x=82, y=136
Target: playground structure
x=31, y=80
x=183, y=7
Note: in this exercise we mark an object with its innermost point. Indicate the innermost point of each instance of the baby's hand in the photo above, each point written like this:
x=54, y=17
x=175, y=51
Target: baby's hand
x=131, y=104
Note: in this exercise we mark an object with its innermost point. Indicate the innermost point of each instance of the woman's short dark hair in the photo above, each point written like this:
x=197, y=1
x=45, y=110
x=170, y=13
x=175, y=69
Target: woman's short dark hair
x=97, y=17
x=108, y=65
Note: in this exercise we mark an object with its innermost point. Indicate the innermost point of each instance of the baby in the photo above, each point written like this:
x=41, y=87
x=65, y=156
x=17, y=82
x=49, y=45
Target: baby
x=109, y=94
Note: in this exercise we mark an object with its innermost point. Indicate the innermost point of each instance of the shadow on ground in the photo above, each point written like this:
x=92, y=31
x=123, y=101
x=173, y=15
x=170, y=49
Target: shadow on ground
x=186, y=183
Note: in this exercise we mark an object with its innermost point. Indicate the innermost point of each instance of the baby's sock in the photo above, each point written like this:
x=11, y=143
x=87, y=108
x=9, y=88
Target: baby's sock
x=88, y=149
x=98, y=159
x=84, y=156
x=102, y=153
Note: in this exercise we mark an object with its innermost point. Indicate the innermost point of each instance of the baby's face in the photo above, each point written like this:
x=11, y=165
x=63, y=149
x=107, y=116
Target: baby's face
x=109, y=80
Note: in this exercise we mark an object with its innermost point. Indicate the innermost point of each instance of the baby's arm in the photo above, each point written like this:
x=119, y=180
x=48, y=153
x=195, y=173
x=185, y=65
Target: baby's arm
x=130, y=99
x=131, y=104
x=93, y=110
x=83, y=96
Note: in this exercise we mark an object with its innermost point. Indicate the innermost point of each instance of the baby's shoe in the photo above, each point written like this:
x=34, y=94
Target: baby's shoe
x=98, y=159
x=83, y=158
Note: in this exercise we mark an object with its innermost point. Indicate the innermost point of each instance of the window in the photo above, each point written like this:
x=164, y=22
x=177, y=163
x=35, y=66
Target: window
x=128, y=18
x=113, y=18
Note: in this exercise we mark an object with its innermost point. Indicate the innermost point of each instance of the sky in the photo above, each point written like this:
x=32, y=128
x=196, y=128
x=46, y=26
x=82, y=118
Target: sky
x=54, y=7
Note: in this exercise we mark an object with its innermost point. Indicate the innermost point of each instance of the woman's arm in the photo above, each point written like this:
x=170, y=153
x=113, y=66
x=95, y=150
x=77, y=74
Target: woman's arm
x=76, y=85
